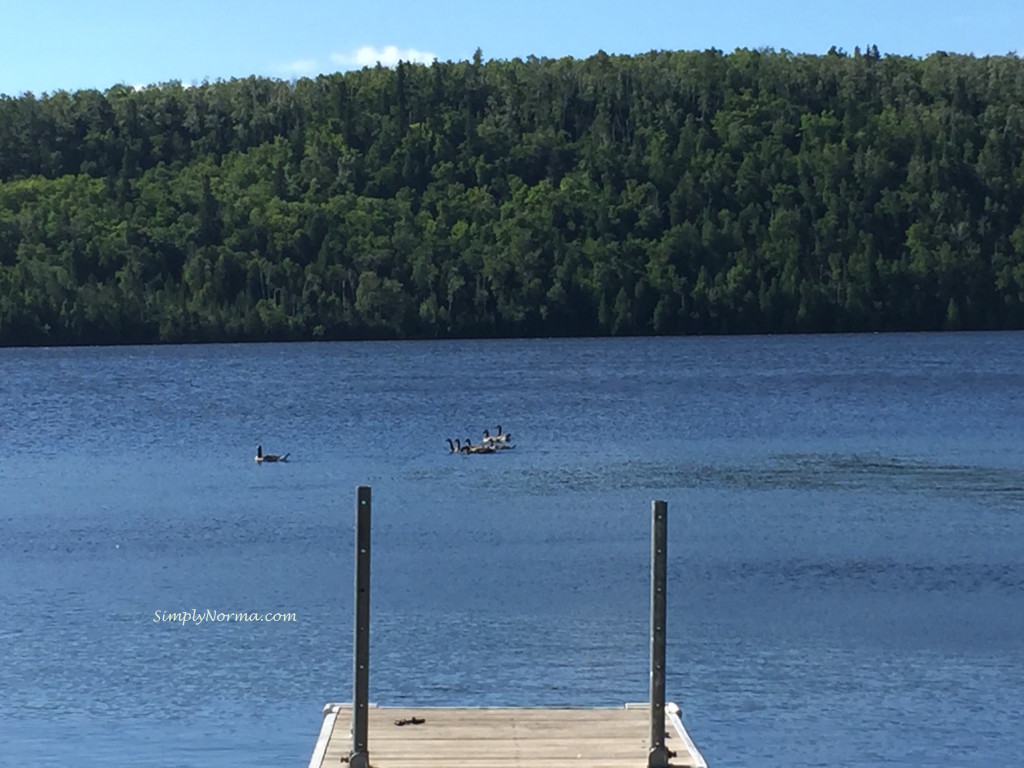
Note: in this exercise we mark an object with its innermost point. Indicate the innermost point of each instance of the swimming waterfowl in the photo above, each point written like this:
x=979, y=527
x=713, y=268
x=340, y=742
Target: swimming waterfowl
x=491, y=443
x=501, y=441
x=498, y=438
x=470, y=448
x=456, y=447
x=269, y=457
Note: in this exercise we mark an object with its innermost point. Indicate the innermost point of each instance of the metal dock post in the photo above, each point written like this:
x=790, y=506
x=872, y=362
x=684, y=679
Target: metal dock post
x=658, y=755
x=471, y=737
x=359, y=757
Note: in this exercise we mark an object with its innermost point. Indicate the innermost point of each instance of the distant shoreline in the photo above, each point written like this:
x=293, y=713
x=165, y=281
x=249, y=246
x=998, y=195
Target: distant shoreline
x=509, y=339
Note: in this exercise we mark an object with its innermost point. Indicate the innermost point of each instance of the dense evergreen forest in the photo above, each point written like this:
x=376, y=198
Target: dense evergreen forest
x=667, y=193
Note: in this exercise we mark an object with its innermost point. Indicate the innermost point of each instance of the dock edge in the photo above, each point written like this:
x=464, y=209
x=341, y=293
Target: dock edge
x=331, y=712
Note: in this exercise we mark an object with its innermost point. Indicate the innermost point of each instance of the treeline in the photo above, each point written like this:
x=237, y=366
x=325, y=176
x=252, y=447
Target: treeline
x=672, y=192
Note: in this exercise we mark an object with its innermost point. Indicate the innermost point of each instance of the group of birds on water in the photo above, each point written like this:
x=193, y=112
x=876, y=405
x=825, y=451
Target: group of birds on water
x=502, y=441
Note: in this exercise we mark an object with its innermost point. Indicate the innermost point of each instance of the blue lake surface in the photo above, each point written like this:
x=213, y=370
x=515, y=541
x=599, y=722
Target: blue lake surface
x=846, y=550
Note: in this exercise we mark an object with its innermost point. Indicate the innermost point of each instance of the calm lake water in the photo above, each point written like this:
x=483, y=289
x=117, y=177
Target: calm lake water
x=846, y=575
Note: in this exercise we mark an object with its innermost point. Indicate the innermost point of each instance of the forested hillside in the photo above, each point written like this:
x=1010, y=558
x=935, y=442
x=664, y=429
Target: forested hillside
x=690, y=192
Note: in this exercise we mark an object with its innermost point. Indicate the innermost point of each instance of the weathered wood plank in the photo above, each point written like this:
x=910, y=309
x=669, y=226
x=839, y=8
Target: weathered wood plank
x=503, y=738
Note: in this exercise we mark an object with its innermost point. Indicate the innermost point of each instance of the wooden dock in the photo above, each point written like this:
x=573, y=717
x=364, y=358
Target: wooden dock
x=361, y=735
x=503, y=738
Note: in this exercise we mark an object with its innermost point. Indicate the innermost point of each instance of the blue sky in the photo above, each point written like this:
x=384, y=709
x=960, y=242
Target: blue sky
x=49, y=45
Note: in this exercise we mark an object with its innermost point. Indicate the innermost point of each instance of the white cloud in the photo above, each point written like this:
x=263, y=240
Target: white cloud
x=388, y=56
x=300, y=67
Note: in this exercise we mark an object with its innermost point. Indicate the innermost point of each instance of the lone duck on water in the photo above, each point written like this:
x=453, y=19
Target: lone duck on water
x=262, y=457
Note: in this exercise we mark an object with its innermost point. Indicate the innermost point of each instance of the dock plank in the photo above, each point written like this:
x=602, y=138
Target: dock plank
x=503, y=738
